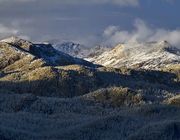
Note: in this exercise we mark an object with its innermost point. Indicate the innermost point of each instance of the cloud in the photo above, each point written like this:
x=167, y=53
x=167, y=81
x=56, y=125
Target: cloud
x=16, y=1
x=7, y=31
x=142, y=32
x=117, y=2
x=126, y=2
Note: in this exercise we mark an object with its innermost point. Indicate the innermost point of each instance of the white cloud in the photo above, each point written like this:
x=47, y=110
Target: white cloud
x=6, y=31
x=117, y=2
x=142, y=32
x=126, y=2
x=17, y=0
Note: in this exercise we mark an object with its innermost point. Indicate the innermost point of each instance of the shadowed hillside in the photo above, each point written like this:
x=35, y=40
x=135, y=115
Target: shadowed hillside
x=77, y=80
x=48, y=95
x=29, y=117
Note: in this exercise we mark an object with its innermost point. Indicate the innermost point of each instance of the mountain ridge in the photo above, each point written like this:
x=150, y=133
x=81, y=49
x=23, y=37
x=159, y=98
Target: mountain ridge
x=45, y=52
x=42, y=99
x=154, y=55
x=78, y=50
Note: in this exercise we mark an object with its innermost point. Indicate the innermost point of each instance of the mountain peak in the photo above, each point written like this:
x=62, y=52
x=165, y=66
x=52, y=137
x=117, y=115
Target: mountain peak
x=21, y=48
x=164, y=44
x=12, y=39
x=152, y=55
x=79, y=50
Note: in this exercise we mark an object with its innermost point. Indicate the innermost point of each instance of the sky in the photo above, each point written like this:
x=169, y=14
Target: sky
x=91, y=22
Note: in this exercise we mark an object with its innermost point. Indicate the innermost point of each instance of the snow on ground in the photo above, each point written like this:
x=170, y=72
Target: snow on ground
x=35, y=118
x=148, y=55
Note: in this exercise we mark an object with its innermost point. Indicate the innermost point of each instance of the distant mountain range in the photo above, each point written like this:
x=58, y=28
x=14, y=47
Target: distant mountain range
x=80, y=51
x=22, y=61
x=153, y=55
x=128, y=92
x=14, y=49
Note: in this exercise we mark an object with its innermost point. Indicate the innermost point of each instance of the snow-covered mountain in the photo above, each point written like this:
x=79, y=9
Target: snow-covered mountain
x=43, y=96
x=78, y=50
x=71, y=48
x=14, y=49
x=153, y=55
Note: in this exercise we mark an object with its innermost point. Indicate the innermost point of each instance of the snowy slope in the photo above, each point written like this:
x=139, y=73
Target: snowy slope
x=72, y=49
x=106, y=103
x=36, y=118
x=152, y=55
x=78, y=50
x=46, y=52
